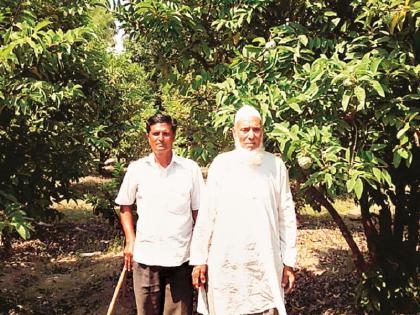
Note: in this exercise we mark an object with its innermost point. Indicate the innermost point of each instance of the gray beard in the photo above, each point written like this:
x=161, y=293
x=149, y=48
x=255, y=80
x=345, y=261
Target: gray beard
x=250, y=157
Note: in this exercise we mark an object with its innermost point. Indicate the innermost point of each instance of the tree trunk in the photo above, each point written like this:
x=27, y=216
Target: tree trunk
x=399, y=214
x=413, y=219
x=357, y=256
x=370, y=230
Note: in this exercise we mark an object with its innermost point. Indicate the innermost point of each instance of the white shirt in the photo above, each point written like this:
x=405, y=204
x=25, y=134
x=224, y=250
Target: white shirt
x=165, y=198
x=245, y=231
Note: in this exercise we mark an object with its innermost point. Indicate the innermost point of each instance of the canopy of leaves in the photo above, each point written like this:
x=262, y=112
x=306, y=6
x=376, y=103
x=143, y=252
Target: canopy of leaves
x=65, y=102
x=337, y=83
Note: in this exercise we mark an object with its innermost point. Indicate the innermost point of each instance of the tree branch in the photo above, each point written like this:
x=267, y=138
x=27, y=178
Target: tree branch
x=357, y=256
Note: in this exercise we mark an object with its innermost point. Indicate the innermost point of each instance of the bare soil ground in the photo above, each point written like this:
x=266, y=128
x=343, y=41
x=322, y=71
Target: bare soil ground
x=326, y=280
x=72, y=267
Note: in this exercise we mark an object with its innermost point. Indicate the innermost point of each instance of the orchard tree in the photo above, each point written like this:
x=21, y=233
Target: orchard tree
x=337, y=83
x=63, y=106
x=44, y=111
x=186, y=45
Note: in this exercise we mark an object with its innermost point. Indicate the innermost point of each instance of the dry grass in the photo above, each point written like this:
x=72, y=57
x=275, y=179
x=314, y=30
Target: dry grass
x=74, y=211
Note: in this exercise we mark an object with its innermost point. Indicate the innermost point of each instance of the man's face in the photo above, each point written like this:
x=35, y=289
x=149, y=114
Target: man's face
x=248, y=133
x=161, y=138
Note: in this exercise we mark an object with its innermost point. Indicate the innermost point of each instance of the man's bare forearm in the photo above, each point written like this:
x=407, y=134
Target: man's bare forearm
x=126, y=215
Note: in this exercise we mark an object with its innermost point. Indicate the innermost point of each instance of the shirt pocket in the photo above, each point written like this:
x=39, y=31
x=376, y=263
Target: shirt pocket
x=179, y=199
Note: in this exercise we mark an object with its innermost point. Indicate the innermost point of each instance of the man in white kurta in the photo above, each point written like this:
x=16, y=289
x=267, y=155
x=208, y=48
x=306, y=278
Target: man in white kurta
x=244, y=242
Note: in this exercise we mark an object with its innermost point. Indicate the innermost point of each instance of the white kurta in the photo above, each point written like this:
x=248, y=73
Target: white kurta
x=246, y=230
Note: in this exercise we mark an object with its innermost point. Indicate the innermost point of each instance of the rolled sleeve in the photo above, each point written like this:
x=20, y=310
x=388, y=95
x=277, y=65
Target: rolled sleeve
x=128, y=189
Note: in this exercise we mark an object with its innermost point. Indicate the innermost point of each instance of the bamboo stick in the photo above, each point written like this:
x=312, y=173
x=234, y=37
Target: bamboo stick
x=116, y=292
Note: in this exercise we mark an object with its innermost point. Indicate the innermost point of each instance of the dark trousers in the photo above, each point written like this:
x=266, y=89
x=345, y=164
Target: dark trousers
x=163, y=290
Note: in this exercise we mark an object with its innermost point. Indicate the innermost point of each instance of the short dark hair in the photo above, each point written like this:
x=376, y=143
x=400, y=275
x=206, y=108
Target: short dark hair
x=162, y=119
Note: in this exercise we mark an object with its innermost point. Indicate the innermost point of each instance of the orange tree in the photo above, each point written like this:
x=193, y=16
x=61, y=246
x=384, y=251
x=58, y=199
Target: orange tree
x=337, y=83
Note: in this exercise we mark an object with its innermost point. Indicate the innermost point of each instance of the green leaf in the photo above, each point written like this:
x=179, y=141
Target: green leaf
x=347, y=155
x=328, y=180
x=345, y=100
x=219, y=98
x=312, y=90
x=358, y=188
x=396, y=159
x=295, y=107
x=336, y=21
x=330, y=13
x=344, y=27
x=23, y=231
x=394, y=22
x=375, y=64
x=259, y=40
x=41, y=25
x=350, y=184
x=289, y=151
x=378, y=88
x=387, y=177
x=378, y=174
x=403, y=153
x=404, y=140
x=303, y=39
x=403, y=130
x=409, y=159
x=361, y=95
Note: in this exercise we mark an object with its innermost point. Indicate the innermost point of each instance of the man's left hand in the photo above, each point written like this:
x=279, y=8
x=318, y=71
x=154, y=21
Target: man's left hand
x=199, y=276
x=288, y=279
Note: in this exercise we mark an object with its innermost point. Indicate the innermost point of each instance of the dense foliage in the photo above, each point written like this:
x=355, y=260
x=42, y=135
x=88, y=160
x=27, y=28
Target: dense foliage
x=337, y=83
x=65, y=103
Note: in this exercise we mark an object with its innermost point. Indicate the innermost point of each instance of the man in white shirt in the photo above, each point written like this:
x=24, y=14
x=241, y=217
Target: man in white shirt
x=243, y=246
x=166, y=189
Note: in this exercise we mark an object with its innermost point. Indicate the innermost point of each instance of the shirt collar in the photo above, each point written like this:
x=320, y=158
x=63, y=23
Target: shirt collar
x=175, y=159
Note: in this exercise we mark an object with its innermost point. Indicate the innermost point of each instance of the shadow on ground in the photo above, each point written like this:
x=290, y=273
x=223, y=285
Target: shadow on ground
x=328, y=290
x=69, y=268
x=73, y=267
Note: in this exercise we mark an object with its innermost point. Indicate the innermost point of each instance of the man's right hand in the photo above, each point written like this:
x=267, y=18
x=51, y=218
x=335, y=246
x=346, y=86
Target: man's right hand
x=128, y=255
x=199, y=276
x=126, y=214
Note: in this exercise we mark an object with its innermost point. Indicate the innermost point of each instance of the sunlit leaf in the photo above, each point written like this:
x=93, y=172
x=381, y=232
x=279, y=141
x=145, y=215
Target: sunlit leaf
x=358, y=188
x=378, y=174
x=378, y=88
x=361, y=95
x=345, y=100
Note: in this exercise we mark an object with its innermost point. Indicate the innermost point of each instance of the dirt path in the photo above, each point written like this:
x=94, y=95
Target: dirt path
x=72, y=267
x=326, y=280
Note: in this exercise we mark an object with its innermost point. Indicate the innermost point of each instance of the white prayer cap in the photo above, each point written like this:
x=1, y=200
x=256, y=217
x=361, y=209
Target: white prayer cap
x=246, y=112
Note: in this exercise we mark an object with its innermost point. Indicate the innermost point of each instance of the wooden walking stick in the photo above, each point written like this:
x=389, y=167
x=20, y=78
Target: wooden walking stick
x=116, y=292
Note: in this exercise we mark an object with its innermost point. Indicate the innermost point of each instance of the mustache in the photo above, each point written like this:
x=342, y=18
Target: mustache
x=250, y=157
x=239, y=146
